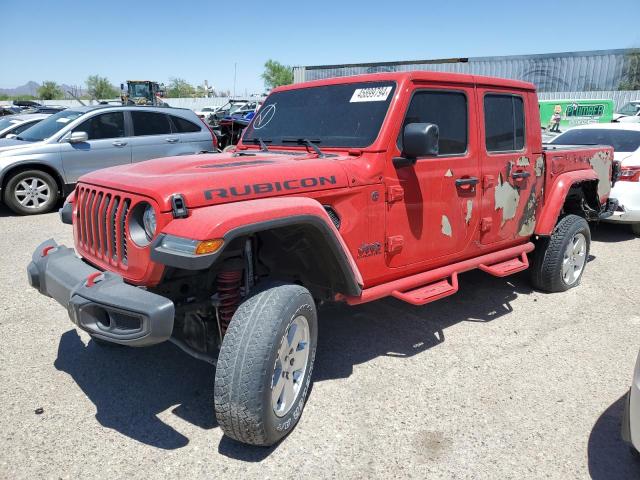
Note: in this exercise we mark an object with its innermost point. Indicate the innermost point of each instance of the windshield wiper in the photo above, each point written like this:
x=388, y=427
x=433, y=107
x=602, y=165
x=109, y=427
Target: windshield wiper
x=263, y=145
x=308, y=143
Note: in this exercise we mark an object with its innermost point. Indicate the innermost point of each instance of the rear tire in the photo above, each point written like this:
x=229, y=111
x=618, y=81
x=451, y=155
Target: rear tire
x=560, y=260
x=31, y=192
x=635, y=228
x=265, y=365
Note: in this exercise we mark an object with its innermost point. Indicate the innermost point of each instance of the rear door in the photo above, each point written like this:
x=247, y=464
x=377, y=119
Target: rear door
x=153, y=137
x=107, y=146
x=194, y=135
x=433, y=206
x=509, y=183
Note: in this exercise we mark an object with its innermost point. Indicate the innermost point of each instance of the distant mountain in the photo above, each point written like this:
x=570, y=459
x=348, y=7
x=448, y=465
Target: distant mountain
x=31, y=88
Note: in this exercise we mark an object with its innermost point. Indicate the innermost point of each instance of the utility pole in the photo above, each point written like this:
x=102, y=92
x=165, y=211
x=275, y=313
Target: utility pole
x=235, y=68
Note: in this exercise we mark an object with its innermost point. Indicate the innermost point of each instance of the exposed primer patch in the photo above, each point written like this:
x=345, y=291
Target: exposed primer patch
x=528, y=220
x=467, y=217
x=539, y=166
x=523, y=162
x=446, y=226
x=601, y=162
x=448, y=173
x=506, y=198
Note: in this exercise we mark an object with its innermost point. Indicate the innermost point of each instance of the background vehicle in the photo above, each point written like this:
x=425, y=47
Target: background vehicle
x=576, y=112
x=46, y=160
x=142, y=92
x=628, y=113
x=348, y=189
x=625, y=140
x=16, y=124
x=205, y=112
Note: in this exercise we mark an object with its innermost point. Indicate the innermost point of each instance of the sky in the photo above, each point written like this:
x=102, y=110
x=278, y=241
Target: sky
x=68, y=40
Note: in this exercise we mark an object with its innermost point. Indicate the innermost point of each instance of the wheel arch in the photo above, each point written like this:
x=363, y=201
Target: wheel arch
x=32, y=165
x=573, y=192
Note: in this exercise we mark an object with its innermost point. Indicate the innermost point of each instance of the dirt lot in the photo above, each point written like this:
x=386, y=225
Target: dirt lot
x=495, y=382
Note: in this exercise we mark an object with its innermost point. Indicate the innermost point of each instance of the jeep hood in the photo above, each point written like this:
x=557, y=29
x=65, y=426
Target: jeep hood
x=212, y=179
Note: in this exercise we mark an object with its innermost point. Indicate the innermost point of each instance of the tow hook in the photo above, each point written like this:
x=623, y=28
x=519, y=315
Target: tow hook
x=94, y=278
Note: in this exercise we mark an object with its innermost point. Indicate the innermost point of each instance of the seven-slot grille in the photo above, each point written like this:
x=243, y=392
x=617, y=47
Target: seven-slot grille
x=101, y=219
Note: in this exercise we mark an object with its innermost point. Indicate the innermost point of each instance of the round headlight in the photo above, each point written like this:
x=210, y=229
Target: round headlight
x=149, y=222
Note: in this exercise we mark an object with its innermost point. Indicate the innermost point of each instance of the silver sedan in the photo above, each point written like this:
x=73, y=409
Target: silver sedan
x=14, y=125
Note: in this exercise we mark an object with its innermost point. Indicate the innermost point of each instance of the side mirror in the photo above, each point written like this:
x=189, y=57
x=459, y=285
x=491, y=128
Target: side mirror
x=420, y=140
x=78, y=137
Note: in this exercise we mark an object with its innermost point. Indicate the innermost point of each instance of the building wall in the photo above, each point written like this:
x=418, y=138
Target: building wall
x=554, y=72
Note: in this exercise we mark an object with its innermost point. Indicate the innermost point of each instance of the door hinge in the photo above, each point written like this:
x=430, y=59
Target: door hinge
x=395, y=193
x=395, y=243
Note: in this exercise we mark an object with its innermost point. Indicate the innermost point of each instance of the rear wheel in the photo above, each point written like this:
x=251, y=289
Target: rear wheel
x=31, y=192
x=265, y=365
x=560, y=260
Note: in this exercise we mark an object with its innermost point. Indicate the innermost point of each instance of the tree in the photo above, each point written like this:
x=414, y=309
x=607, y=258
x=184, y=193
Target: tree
x=100, y=88
x=50, y=91
x=276, y=74
x=180, y=88
x=631, y=72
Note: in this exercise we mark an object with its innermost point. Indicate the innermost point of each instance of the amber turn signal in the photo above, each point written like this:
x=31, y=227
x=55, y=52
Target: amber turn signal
x=209, y=246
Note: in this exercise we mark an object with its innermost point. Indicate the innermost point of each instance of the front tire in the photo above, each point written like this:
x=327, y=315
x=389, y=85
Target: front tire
x=265, y=365
x=560, y=260
x=31, y=192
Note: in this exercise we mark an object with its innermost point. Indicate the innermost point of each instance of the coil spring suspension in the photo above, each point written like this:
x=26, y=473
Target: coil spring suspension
x=228, y=284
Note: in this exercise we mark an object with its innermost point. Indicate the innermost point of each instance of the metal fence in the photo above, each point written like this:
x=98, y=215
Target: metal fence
x=553, y=72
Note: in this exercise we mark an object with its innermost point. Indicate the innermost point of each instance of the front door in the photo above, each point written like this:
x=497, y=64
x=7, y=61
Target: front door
x=107, y=146
x=509, y=181
x=433, y=206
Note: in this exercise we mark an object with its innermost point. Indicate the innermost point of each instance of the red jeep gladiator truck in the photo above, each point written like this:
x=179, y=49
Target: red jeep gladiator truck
x=348, y=189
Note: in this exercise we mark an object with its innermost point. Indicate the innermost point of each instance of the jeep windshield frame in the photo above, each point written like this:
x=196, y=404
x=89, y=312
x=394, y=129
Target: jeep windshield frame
x=344, y=115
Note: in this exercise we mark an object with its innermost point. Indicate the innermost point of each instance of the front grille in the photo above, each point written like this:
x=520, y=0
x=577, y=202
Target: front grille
x=101, y=224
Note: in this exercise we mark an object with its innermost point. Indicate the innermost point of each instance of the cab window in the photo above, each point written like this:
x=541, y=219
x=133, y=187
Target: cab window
x=503, y=122
x=447, y=110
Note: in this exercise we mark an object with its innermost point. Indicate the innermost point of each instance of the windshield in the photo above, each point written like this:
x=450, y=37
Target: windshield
x=629, y=108
x=8, y=121
x=345, y=115
x=620, y=140
x=49, y=126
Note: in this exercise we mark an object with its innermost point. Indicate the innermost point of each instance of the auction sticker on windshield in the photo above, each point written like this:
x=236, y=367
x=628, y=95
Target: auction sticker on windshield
x=375, y=94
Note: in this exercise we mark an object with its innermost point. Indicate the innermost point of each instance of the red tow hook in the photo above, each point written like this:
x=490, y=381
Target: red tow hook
x=46, y=250
x=91, y=279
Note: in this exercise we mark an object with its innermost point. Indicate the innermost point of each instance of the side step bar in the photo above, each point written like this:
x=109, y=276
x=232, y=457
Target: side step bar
x=432, y=285
x=429, y=293
x=507, y=267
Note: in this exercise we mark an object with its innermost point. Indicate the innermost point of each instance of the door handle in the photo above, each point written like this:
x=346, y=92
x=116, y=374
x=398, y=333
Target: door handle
x=519, y=175
x=119, y=144
x=471, y=181
x=172, y=140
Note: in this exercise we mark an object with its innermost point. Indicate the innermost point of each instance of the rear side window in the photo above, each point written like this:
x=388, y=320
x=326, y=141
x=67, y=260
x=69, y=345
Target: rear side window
x=448, y=110
x=105, y=125
x=180, y=125
x=150, y=123
x=504, y=123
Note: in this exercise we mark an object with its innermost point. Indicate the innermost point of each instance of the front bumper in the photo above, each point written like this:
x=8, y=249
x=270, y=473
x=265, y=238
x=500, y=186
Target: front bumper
x=100, y=303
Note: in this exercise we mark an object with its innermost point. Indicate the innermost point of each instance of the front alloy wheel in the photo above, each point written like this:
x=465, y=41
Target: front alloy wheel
x=265, y=365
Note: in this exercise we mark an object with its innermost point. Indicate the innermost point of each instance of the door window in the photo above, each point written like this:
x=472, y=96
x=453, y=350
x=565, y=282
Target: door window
x=105, y=125
x=447, y=110
x=180, y=125
x=150, y=123
x=503, y=123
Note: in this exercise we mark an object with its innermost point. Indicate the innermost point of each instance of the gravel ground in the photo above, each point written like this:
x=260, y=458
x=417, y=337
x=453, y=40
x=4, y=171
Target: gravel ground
x=496, y=382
